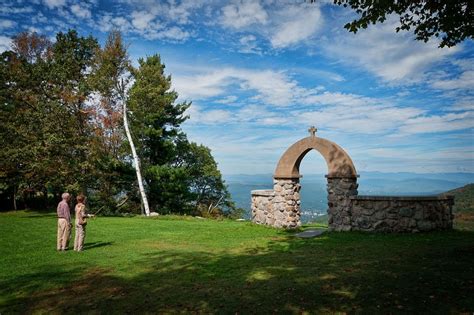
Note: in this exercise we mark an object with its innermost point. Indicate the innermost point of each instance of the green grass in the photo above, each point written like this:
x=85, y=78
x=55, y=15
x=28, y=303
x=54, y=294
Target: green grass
x=189, y=265
x=464, y=198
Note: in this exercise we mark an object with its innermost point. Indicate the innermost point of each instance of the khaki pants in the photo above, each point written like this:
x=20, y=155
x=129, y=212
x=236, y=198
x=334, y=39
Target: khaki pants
x=79, y=239
x=63, y=234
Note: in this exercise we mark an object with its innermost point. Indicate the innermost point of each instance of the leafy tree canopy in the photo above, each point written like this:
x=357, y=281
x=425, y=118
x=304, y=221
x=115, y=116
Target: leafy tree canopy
x=61, y=129
x=451, y=20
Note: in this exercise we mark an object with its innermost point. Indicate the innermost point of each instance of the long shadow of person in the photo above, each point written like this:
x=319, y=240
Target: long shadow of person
x=97, y=244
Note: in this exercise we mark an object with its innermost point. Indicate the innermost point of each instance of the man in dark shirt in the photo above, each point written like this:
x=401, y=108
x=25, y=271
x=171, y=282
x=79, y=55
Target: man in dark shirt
x=64, y=222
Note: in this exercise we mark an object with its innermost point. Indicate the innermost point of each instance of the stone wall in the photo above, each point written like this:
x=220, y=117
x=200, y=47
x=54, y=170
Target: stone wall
x=401, y=214
x=347, y=211
x=262, y=207
x=279, y=207
x=340, y=189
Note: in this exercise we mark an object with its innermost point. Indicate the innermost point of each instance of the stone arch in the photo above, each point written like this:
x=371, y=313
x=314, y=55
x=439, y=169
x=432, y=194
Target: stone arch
x=338, y=161
x=280, y=206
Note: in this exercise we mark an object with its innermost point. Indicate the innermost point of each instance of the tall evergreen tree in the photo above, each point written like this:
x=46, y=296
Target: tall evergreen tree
x=111, y=77
x=180, y=176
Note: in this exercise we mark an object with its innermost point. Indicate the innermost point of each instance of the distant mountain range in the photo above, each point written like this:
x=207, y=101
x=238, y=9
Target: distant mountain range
x=314, y=195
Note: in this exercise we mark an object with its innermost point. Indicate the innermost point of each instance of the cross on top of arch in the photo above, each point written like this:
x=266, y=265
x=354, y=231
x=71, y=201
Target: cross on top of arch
x=312, y=131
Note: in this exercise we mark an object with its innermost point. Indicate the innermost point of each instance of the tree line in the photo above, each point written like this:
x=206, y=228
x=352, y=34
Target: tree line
x=61, y=129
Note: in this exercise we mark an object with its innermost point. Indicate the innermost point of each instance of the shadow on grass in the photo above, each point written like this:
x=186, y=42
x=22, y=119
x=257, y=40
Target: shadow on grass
x=92, y=245
x=339, y=272
x=35, y=215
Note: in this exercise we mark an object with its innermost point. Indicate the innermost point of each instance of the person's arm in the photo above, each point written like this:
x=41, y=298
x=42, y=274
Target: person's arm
x=82, y=215
x=67, y=212
x=87, y=215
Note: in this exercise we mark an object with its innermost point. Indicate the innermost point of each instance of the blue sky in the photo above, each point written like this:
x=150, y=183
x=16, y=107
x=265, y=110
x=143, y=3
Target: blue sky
x=259, y=73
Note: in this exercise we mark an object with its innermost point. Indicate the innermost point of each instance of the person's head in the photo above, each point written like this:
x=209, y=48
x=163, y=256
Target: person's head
x=66, y=196
x=81, y=198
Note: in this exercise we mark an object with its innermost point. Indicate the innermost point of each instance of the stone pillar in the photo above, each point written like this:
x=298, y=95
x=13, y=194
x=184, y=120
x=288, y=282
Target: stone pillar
x=262, y=207
x=286, y=203
x=340, y=189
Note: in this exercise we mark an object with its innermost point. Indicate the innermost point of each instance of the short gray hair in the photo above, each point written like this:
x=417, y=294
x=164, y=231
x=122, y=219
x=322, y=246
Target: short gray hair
x=65, y=195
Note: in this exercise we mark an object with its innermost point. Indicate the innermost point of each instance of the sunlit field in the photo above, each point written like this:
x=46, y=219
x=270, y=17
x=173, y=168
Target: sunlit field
x=192, y=265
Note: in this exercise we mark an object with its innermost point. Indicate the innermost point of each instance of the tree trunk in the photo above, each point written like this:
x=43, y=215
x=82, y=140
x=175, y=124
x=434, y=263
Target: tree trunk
x=14, y=198
x=136, y=161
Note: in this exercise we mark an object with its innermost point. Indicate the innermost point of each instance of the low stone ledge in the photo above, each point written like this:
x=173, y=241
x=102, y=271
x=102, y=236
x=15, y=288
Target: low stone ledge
x=263, y=192
x=403, y=198
x=341, y=176
x=277, y=177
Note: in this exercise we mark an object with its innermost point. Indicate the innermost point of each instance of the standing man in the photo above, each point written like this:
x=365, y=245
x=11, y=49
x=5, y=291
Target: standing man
x=64, y=222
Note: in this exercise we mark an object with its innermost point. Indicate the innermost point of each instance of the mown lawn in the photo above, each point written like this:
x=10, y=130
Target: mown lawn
x=190, y=265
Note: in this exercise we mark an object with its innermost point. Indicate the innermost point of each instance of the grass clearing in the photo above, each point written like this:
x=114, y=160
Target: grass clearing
x=185, y=265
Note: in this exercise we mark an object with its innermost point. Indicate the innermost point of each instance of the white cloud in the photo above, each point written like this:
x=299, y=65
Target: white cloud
x=39, y=18
x=80, y=11
x=208, y=117
x=356, y=117
x=295, y=24
x=5, y=43
x=120, y=22
x=145, y=24
x=272, y=87
x=108, y=22
x=5, y=9
x=282, y=25
x=248, y=44
x=394, y=57
x=7, y=24
x=463, y=104
x=200, y=86
x=142, y=19
x=173, y=33
x=335, y=111
x=392, y=153
x=243, y=13
x=228, y=99
x=439, y=123
x=456, y=153
x=465, y=80
x=172, y=11
x=181, y=12
x=54, y=3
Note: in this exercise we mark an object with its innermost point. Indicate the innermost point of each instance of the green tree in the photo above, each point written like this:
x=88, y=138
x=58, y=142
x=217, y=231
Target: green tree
x=180, y=176
x=210, y=194
x=110, y=75
x=155, y=120
x=451, y=20
x=44, y=126
x=61, y=112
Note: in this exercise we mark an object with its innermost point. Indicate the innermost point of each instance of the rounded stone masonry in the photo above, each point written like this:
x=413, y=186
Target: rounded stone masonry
x=286, y=203
x=279, y=207
x=401, y=214
x=262, y=206
x=340, y=189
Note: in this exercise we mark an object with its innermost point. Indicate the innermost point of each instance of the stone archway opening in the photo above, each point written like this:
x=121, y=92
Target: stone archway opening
x=313, y=193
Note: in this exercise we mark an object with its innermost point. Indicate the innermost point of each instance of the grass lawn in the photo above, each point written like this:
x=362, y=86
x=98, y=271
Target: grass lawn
x=190, y=265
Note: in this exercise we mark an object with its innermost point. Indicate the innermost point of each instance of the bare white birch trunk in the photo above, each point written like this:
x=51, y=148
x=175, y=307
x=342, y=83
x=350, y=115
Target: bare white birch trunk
x=136, y=161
